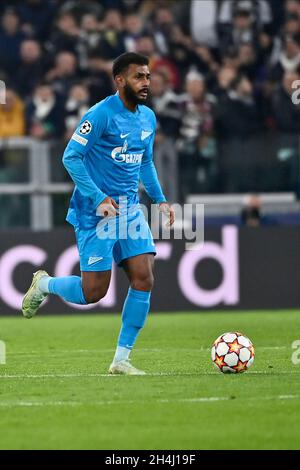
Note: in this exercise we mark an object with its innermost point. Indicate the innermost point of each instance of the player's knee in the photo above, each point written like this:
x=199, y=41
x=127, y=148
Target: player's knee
x=143, y=282
x=93, y=295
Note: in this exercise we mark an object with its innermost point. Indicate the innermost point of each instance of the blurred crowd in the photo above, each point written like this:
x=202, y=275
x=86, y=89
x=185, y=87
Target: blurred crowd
x=222, y=78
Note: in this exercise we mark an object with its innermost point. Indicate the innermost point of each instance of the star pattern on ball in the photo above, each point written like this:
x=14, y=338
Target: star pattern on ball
x=234, y=347
x=219, y=361
x=232, y=352
x=241, y=366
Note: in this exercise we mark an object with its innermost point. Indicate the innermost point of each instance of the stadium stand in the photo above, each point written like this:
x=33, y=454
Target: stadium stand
x=222, y=85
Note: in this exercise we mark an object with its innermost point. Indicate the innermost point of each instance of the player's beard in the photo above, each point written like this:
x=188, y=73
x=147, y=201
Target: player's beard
x=131, y=96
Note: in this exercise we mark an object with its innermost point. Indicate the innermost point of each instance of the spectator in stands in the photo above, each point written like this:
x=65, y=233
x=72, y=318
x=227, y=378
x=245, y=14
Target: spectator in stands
x=146, y=45
x=64, y=72
x=292, y=7
x=205, y=62
x=248, y=61
x=292, y=26
x=76, y=106
x=242, y=29
x=238, y=123
x=197, y=108
x=196, y=143
x=225, y=77
x=236, y=113
x=36, y=17
x=246, y=52
x=181, y=50
x=289, y=57
x=134, y=29
x=31, y=67
x=45, y=113
x=12, y=117
x=287, y=117
x=230, y=58
x=162, y=28
x=90, y=38
x=165, y=156
x=98, y=77
x=259, y=10
x=11, y=38
x=287, y=112
x=65, y=35
x=166, y=104
x=79, y=8
x=112, y=43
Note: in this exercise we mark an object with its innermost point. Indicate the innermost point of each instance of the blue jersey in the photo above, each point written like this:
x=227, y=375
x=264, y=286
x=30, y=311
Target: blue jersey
x=109, y=152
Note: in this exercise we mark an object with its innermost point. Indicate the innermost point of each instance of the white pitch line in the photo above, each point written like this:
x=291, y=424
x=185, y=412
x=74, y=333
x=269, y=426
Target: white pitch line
x=30, y=404
x=287, y=397
x=107, y=402
x=97, y=351
x=195, y=400
x=153, y=374
x=51, y=376
x=71, y=376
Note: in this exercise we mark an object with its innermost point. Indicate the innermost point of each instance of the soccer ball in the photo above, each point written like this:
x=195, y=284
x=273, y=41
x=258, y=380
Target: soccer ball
x=232, y=353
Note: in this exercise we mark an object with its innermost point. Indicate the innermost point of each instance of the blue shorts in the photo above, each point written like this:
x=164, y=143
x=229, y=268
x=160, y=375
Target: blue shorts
x=115, y=238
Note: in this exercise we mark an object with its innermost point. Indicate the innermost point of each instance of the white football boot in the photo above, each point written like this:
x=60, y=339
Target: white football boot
x=124, y=368
x=34, y=296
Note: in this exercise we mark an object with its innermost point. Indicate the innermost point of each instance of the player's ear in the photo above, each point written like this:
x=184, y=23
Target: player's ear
x=120, y=82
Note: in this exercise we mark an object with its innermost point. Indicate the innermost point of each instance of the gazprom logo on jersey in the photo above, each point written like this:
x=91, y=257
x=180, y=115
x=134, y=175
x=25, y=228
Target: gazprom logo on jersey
x=119, y=155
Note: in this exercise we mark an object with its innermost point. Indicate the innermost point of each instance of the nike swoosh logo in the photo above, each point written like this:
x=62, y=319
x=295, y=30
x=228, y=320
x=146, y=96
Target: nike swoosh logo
x=124, y=135
x=145, y=134
x=94, y=259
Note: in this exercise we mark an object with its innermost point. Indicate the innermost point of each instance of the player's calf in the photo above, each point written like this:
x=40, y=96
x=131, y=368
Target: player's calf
x=94, y=294
x=95, y=285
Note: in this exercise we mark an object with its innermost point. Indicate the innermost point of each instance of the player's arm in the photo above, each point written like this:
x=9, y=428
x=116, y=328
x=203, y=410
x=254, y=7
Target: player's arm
x=90, y=128
x=149, y=178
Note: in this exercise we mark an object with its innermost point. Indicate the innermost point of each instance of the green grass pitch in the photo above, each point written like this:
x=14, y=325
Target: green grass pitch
x=55, y=392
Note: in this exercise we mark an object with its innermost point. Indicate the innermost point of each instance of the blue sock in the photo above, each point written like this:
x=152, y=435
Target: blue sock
x=135, y=311
x=69, y=288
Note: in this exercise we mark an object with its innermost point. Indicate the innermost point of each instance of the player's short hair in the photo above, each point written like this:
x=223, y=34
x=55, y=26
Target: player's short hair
x=122, y=62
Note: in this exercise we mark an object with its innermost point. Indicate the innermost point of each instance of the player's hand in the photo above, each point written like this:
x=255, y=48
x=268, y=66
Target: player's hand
x=169, y=212
x=108, y=207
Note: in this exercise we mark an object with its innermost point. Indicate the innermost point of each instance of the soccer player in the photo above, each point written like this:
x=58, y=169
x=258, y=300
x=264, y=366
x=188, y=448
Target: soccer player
x=109, y=152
